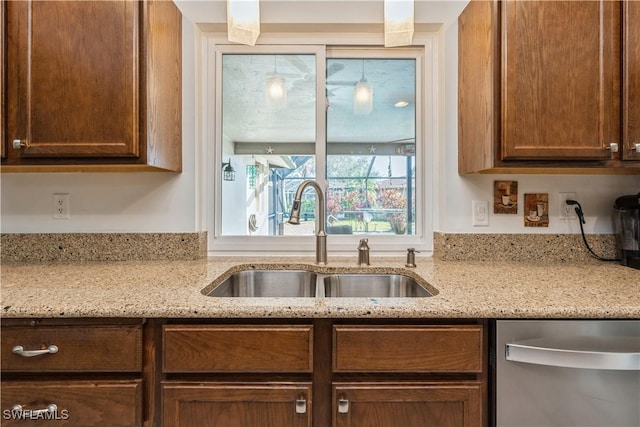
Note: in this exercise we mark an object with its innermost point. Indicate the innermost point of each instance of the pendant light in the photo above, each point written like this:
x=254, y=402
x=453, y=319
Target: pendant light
x=275, y=89
x=243, y=21
x=363, y=96
x=398, y=22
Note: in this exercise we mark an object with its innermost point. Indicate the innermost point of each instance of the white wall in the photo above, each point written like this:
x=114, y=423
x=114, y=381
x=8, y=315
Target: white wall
x=166, y=202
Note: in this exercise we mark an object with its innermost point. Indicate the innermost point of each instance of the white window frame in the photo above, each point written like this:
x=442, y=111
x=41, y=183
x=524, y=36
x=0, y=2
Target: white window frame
x=323, y=45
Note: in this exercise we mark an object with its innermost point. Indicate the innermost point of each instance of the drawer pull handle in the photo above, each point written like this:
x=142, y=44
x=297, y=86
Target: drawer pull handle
x=18, y=349
x=51, y=408
x=301, y=406
x=343, y=406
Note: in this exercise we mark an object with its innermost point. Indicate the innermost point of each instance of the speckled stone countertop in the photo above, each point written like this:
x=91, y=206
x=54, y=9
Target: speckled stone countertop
x=464, y=289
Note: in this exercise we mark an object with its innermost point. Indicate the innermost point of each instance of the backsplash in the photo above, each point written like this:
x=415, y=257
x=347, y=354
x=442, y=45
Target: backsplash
x=39, y=247
x=521, y=247
x=44, y=247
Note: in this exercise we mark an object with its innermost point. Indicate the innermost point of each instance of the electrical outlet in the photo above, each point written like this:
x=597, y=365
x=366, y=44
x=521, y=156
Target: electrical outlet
x=566, y=211
x=479, y=213
x=61, y=208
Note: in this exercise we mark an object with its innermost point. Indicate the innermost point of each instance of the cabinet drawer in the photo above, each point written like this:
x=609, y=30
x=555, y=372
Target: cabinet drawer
x=78, y=403
x=452, y=349
x=240, y=348
x=89, y=349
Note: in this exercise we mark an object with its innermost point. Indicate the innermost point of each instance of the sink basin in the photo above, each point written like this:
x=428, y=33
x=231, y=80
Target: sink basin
x=373, y=286
x=267, y=283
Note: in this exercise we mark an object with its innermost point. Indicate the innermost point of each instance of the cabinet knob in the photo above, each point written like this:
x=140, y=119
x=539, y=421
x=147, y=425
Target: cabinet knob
x=18, y=144
x=343, y=406
x=301, y=406
x=613, y=147
x=636, y=147
x=19, y=350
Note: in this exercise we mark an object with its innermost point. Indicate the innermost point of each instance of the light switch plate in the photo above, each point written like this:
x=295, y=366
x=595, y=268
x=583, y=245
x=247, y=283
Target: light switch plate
x=480, y=213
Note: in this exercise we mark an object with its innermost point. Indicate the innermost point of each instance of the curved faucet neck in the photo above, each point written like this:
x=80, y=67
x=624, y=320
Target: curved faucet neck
x=321, y=235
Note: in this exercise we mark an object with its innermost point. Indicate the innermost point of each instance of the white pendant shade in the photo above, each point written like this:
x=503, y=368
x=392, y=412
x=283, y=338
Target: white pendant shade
x=398, y=22
x=363, y=98
x=275, y=92
x=243, y=21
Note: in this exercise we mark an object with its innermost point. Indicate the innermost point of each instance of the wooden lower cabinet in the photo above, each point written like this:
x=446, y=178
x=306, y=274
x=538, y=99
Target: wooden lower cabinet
x=100, y=403
x=324, y=373
x=73, y=372
x=213, y=404
x=451, y=404
x=239, y=373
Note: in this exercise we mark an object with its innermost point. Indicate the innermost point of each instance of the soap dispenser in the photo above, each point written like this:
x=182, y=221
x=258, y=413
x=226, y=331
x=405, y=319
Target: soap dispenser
x=411, y=258
x=363, y=253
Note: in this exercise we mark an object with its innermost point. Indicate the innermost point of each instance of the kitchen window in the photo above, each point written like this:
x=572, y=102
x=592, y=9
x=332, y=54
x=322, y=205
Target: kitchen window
x=350, y=118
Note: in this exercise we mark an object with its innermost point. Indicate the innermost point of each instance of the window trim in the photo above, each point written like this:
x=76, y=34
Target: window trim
x=323, y=46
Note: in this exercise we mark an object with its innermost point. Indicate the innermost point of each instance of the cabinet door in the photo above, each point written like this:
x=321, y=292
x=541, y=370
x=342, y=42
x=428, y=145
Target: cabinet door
x=631, y=88
x=560, y=82
x=236, y=405
x=72, y=78
x=407, y=405
x=3, y=64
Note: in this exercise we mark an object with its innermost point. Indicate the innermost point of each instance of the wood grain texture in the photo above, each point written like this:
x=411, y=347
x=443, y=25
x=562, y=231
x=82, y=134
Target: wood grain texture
x=163, y=84
x=409, y=405
x=555, y=102
x=560, y=97
x=80, y=348
x=426, y=349
x=74, y=68
x=94, y=84
x=478, y=108
x=98, y=403
x=235, y=405
x=3, y=65
x=237, y=348
x=631, y=79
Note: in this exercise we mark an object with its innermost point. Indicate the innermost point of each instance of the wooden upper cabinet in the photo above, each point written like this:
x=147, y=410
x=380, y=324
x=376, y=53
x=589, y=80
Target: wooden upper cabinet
x=74, y=77
x=631, y=80
x=560, y=69
x=93, y=82
x=3, y=63
x=540, y=86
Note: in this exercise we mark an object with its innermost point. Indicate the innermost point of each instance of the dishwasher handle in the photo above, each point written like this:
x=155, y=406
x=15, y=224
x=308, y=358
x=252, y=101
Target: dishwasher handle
x=602, y=353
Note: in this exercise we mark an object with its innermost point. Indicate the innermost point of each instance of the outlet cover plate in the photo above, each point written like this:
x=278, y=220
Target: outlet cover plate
x=61, y=208
x=566, y=212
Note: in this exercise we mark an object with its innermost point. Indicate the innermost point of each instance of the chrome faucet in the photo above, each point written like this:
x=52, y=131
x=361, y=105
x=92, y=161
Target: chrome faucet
x=294, y=218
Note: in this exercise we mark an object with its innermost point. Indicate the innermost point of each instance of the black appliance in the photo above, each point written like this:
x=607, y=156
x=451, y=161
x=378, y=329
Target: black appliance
x=627, y=228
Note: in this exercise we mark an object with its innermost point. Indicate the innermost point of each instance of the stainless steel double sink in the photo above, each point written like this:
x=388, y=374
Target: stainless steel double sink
x=302, y=283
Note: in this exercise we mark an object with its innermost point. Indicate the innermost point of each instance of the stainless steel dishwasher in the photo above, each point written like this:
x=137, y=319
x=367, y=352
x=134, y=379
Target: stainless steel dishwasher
x=568, y=373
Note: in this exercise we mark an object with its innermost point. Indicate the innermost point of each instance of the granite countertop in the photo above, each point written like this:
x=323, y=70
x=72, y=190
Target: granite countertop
x=465, y=289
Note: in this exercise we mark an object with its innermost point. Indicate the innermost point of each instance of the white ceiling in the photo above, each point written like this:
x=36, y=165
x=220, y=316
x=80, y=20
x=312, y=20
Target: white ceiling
x=248, y=119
